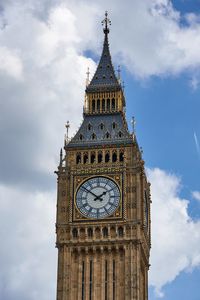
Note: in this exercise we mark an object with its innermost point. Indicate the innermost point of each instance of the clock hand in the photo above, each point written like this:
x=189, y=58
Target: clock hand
x=99, y=197
x=89, y=191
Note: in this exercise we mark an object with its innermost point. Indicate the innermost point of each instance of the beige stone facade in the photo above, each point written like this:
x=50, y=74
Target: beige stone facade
x=103, y=258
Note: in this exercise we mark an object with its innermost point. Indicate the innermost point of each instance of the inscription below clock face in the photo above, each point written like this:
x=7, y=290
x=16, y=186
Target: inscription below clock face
x=98, y=197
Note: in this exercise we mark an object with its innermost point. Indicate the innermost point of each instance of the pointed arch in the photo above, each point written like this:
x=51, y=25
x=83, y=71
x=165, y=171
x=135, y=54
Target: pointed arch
x=78, y=158
x=85, y=158
x=105, y=232
x=120, y=134
x=121, y=156
x=114, y=157
x=92, y=158
x=107, y=135
x=107, y=157
x=100, y=157
x=93, y=136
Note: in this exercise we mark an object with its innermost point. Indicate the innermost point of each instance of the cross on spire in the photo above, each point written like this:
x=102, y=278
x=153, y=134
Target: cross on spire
x=106, y=22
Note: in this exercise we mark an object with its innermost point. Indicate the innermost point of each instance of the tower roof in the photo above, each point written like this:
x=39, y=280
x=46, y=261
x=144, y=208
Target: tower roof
x=104, y=78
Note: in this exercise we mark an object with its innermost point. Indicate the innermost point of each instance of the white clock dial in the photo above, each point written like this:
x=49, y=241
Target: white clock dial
x=98, y=197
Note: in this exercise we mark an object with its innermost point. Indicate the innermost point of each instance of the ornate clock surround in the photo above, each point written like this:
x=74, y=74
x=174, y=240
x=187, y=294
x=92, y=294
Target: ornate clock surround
x=117, y=215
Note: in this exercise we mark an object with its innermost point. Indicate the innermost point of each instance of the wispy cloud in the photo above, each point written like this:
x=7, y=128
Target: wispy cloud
x=197, y=143
x=196, y=195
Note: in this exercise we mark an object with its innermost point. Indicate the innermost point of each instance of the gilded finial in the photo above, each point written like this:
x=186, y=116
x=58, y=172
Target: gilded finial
x=106, y=22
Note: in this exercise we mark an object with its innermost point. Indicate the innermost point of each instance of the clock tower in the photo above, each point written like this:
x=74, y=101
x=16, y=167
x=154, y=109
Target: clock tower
x=103, y=202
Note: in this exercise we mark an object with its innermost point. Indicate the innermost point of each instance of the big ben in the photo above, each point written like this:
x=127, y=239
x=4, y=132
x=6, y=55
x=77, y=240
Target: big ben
x=103, y=199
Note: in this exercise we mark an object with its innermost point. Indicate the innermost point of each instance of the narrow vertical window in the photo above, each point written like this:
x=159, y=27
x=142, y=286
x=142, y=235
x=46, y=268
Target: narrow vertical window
x=103, y=105
x=83, y=280
x=108, y=105
x=93, y=105
x=106, y=280
x=98, y=105
x=113, y=279
x=113, y=104
x=90, y=290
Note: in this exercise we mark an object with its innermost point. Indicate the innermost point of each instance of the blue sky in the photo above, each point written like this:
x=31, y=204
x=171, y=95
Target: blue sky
x=45, y=50
x=167, y=114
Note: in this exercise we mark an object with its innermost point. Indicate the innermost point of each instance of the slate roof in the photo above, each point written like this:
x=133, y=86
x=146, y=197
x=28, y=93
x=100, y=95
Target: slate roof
x=104, y=78
x=100, y=129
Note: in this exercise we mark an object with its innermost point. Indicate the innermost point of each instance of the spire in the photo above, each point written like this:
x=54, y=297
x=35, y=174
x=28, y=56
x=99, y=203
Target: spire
x=104, y=78
x=107, y=22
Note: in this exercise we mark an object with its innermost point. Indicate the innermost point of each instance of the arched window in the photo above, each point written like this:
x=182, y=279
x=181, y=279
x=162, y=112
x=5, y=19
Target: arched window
x=78, y=158
x=108, y=105
x=100, y=158
x=75, y=233
x=85, y=158
x=89, y=126
x=92, y=159
x=103, y=104
x=120, y=231
x=97, y=233
x=121, y=156
x=82, y=233
x=93, y=136
x=81, y=137
x=105, y=232
x=107, y=135
x=90, y=232
x=120, y=134
x=101, y=126
x=114, y=125
x=114, y=157
x=93, y=105
x=113, y=104
x=98, y=105
x=107, y=157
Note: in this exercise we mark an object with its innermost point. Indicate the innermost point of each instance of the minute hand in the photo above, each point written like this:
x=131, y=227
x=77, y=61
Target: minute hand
x=89, y=191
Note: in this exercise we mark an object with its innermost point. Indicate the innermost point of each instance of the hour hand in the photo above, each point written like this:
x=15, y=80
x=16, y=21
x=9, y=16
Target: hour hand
x=99, y=197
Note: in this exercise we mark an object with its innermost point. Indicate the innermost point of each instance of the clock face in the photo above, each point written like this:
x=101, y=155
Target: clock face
x=98, y=197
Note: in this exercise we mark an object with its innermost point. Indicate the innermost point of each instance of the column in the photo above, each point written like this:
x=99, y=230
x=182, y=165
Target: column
x=87, y=275
x=110, y=277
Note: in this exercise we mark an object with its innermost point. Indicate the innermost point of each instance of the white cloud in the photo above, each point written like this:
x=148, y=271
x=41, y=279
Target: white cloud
x=27, y=253
x=196, y=195
x=10, y=63
x=175, y=236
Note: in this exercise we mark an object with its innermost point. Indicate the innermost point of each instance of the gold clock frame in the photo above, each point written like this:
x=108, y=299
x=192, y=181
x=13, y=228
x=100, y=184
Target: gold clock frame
x=77, y=216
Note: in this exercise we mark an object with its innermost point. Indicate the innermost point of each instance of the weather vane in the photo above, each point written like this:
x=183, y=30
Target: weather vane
x=106, y=22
